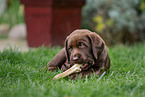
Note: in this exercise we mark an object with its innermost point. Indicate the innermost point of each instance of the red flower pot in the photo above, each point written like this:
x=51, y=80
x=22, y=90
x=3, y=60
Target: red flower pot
x=48, y=22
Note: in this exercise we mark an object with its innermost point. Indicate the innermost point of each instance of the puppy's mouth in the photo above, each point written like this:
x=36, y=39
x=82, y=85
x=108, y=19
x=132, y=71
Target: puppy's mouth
x=86, y=63
x=78, y=61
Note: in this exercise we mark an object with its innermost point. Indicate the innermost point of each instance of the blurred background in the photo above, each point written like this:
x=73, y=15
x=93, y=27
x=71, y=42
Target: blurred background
x=118, y=22
x=12, y=26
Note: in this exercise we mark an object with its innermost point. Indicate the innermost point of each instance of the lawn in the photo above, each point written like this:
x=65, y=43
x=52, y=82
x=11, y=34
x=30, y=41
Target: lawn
x=21, y=75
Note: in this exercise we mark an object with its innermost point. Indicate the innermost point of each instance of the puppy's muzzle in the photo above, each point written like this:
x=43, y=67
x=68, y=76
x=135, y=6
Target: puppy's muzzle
x=77, y=59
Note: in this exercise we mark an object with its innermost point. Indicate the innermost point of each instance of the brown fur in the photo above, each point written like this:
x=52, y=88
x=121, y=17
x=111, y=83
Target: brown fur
x=84, y=47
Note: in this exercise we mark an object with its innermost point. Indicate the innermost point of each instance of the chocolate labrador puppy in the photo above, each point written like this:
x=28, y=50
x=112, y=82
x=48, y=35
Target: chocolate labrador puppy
x=82, y=47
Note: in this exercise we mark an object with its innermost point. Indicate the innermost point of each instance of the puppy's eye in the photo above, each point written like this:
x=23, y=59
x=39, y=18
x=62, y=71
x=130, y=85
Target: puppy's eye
x=81, y=45
x=70, y=48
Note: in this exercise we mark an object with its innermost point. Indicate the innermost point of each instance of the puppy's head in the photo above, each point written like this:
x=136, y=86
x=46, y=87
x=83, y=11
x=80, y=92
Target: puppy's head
x=83, y=46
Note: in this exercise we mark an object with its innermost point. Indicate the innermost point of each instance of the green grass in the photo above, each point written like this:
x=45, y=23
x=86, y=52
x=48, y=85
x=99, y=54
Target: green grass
x=20, y=75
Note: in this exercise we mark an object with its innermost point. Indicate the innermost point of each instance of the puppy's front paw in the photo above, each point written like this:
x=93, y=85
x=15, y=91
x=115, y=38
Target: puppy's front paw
x=52, y=68
x=85, y=66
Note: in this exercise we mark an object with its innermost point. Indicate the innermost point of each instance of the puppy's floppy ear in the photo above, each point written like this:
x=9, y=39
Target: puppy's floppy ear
x=97, y=44
x=66, y=50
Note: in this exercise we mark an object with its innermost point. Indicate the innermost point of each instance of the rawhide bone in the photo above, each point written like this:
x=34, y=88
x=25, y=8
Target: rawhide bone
x=74, y=69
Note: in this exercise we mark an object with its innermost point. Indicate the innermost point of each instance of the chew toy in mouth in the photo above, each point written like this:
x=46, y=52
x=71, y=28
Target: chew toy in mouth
x=75, y=68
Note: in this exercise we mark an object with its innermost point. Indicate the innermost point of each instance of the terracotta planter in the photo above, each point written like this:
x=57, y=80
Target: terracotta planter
x=48, y=22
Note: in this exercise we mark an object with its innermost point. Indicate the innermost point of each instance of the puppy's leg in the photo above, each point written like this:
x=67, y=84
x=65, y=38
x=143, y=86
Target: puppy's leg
x=57, y=61
x=107, y=64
